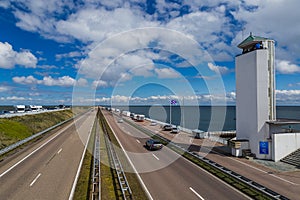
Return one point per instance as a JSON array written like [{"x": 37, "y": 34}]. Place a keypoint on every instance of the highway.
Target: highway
[
  {"x": 46, "y": 169},
  {"x": 165, "y": 174}
]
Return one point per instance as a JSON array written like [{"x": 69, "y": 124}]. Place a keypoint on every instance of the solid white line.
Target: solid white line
[
  {"x": 283, "y": 179},
  {"x": 9, "y": 169},
  {"x": 134, "y": 169},
  {"x": 36, "y": 178},
  {"x": 155, "y": 157},
  {"x": 255, "y": 168},
  {"x": 80, "y": 165},
  {"x": 138, "y": 141},
  {"x": 198, "y": 195},
  {"x": 265, "y": 172},
  {"x": 59, "y": 151}
]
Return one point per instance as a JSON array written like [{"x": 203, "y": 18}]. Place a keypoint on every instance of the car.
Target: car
[
  {"x": 175, "y": 130},
  {"x": 153, "y": 123},
  {"x": 120, "y": 120},
  {"x": 152, "y": 144},
  {"x": 167, "y": 127}
]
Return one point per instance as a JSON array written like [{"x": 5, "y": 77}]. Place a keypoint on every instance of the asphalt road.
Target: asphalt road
[
  {"x": 46, "y": 169},
  {"x": 167, "y": 175},
  {"x": 282, "y": 182}
]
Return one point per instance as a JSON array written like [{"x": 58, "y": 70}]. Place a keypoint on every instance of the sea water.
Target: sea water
[{"x": 212, "y": 118}]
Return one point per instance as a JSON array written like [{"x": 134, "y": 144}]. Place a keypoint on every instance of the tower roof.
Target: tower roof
[{"x": 251, "y": 40}]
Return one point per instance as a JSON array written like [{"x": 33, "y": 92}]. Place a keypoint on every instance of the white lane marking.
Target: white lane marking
[
  {"x": 134, "y": 169},
  {"x": 198, "y": 195},
  {"x": 287, "y": 181},
  {"x": 138, "y": 141},
  {"x": 283, "y": 179},
  {"x": 81, "y": 161},
  {"x": 155, "y": 156},
  {"x": 36, "y": 178},
  {"x": 59, "y": 151},
  {"x": 264, "y": 172},
  {"x": 9, "y": 169}
]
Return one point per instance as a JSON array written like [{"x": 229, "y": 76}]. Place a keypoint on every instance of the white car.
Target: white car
[
  {"x": 175, "y": 130},
  {"x": 120, "y": 120},
  {"x": 153, "y": 123}
]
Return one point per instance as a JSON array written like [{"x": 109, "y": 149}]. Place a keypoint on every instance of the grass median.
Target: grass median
[
  {"x": 110, "y": 186},
  {"x": 84, "y": 183}
]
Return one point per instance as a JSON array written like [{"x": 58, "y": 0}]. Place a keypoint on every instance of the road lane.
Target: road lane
[
  {"x": 172, "y": 176},
  {"x": 57, "y": 170}
]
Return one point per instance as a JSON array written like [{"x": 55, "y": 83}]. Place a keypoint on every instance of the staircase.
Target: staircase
[{"x": 293, "y": 158}]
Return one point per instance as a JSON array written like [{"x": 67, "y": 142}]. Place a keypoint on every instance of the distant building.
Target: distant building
[
  {"x": 19, "y": 108},
  {"x": 258, "y": 132}
]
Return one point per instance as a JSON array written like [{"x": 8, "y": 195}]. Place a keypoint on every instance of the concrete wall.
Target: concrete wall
[
  {"x": 252, "y": 105},
  {"x": 284, "y": 144}
]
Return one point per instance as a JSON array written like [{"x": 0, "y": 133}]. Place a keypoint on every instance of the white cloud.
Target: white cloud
[
  {"x": 285, "y": 67},
  {"x": 9, "y": 58},
  {"x": 15, "y": 98},
  {"x": 218, "y": 69},
  {"x": 277, "y": 20},
  {"x": 166, "y": 73},
  {"x": 288, "y": 97},
  {"x": 61, "y": 81},
  {"x": 64, "y": 81},
  {"x": 288, "y": 92},
  {"x": 71, "y": 54},
  {"x": 4, "y": 88},
  {"x": 4, "y": 3},
  {"x": 29, "y": 80},
  {"x": 100, "y": 84},
  {"x": 91, "y": 24}
]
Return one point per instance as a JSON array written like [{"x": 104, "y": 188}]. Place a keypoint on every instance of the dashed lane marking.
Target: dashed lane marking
[
  {"x": 36, "y": 178},
  {"x": 59, "y": 151},
  {"x": 198, "y": 195},
  {"x": 155, "y": 157}
]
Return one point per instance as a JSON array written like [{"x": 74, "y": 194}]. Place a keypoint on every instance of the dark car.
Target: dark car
[
  {"x": 167, "y": 127},
  {"x": 153, "y": 144}
]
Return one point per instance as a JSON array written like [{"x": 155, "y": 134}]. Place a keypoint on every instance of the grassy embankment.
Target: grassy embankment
[{"x": 18, "y": 128}]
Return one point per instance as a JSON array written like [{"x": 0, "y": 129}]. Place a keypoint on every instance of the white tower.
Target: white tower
[{"x": 255, "y": 94}]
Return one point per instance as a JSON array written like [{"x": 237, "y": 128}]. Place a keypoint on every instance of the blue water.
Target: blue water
[{"x": 205, "y": 118}]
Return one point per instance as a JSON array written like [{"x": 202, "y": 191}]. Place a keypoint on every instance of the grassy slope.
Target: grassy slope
[{"x": 17, "y": 128}]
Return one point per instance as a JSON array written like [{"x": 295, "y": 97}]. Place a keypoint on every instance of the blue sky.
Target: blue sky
[{"x": 139, "y": 52}]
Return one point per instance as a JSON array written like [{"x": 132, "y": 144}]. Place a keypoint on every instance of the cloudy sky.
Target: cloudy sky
[{"x": 139, "y": 51}]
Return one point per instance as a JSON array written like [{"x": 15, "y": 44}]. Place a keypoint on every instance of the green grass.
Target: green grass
[
  {"x": 18, "y": 128},
  {"x": 84, "y": 183},
  {"x": 110, "y": 186},
  {"x": 12, "y": 131}
]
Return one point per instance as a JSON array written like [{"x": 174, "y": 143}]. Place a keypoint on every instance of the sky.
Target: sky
[{"x": 140, "y": 51}]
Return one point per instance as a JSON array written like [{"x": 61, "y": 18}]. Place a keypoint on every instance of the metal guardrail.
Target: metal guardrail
[
  {"x": 96, "y": 194},
  {"x": 270, "y": 193},
  {"x": 21, "y": 142},
  {"x": 115, "y": 162}
]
